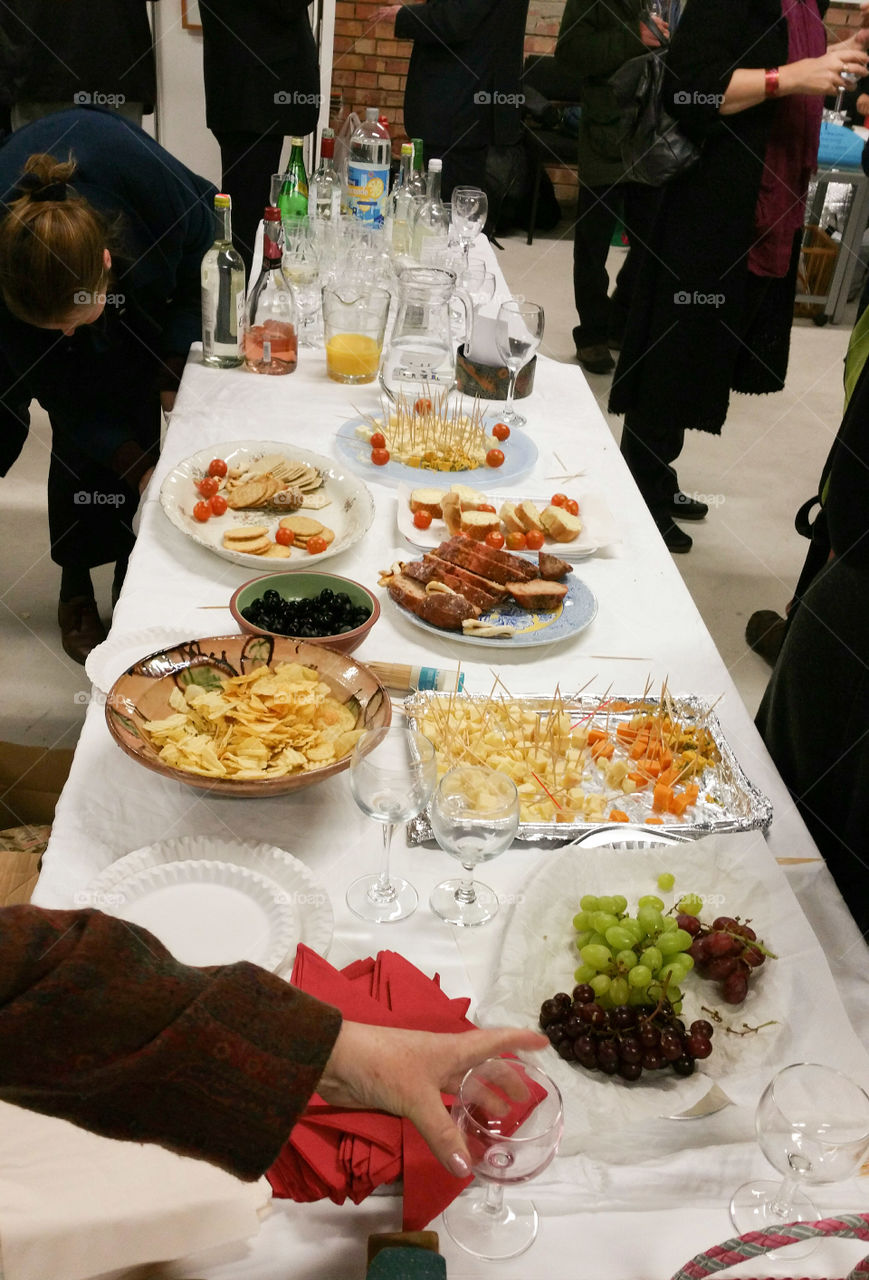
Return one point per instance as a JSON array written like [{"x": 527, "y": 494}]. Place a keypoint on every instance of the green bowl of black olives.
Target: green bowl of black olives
[{"x": 334, "y": 612}]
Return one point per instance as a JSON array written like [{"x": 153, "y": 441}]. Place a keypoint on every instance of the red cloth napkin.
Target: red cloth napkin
[{"x": 341, "y": 1153}]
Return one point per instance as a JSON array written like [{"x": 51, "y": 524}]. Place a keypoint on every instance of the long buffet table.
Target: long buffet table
[{"x": 661, "y": 1194}]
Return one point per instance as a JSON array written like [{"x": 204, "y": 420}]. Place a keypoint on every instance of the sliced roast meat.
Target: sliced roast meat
[
  {"x": 407, "y": 592},
  {"x": 551, "y": 567},
  {"x": 485, "y": 561},
  {"x": 421, "y": 571},
  {"x": 445, "y": 610},
  {"x": 489, "y": 592},
  {"x": 538, "y": 596}
]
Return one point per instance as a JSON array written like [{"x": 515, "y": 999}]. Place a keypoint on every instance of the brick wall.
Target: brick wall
[{"x": 370, "y": 69}]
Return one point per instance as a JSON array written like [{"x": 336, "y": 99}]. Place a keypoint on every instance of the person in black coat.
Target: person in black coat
[
  {"x": 703, "y": 320},
  {"x": 100, "y": 299},
  {"x": 814, "y": 717},
  {"x": 262, "y": 82},
  {"x": 463, "y": 91},
  {"x": 55, "y": 56}
]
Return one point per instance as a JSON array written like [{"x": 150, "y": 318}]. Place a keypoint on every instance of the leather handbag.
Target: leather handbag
[{"x": 654, "y": 148}]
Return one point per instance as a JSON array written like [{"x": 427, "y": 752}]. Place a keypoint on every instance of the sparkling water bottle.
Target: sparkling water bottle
[{"x": 368, "y": 164}]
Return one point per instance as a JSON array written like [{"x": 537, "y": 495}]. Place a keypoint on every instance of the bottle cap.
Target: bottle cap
[
  {"x": 407, "y": 148},
  {"x": 222, "y": 201},
  {"x": 327, "y": 133},
  {"x": 272, "y": 213},
  {"x": 297, "y": 142},
  {"x": 435, "y": 166},
  {"x": 371, "y": 113}
]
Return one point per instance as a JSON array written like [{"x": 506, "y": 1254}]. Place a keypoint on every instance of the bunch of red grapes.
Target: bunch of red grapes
[
  {"x": 727, "y": 952},
  {"x": 626, "y": 1040}
]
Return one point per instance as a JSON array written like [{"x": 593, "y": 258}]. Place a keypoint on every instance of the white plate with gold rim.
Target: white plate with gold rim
[{"x": 348, "y": 513}]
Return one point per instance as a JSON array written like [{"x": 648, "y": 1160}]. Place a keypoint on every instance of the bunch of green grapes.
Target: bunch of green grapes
[{"x": 631, "y": 959}]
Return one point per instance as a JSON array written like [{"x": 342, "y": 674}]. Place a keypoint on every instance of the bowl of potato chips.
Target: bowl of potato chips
[{"x": 245, "y": 715}]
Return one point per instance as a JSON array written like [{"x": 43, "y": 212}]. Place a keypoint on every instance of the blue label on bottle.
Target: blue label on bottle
[{"x": 367, "y": 186}]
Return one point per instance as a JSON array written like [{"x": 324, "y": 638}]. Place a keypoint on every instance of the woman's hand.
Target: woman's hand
[
  {"x": 650, "y": 37},
  {"x": 822, "y": 76},
  {"x": 404, "y": 1072}
]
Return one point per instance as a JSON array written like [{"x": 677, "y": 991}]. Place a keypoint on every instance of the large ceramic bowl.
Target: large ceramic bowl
[
  {"x": 298, "y": 586},
  {"x": 142, "y": 693}
]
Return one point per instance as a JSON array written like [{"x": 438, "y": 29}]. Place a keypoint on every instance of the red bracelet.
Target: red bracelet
[{"x": 770, "y": 82}]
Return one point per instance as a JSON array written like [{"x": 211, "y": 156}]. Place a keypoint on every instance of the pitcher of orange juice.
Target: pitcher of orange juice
[
  {"x": 422, "y": 349},
  {"x": 354, "y": 322}
]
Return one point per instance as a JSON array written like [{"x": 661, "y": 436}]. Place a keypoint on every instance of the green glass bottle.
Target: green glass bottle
[{"x": 293, "y": 198}]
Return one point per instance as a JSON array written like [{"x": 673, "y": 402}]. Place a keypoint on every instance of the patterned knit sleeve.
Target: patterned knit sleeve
[{"x": 100, "y": 1025}]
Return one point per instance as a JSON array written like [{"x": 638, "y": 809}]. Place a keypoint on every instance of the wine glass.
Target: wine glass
[
  {"x": 478, "y": 283},
  {"x": 812, "y": 1124},
  {"x": 393, "y": 771},
  {"x": 470, "y": 206},
  {"x": 301, "y": 266},
  {"x": 518, "y": 331},
  {"x": 508, "y": 1143},
  {"x": 474, "y": 815}
]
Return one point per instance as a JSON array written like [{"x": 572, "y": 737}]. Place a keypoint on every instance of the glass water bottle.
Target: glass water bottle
[{"x": 222, "y": 277}]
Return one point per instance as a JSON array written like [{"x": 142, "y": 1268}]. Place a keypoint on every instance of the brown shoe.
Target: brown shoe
[
  {"x": 765, "y": 633},
  {"x": 596, "y": 359},
  {"x": 80, "y": 627}
]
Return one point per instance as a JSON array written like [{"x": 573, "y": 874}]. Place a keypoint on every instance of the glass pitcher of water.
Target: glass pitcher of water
[{"x": 422, "y": 350}]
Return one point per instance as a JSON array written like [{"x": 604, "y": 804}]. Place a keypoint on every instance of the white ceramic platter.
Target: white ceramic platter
[{"x": 348, "y": 514}]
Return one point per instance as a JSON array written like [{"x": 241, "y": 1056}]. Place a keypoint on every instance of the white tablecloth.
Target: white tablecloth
[{"x": 646, "y": 627}]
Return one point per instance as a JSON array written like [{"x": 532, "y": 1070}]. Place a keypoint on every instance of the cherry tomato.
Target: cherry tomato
[
  {"x": 217, "y": 467},
  {"x": 534, "y": 539},
  {"x": 422, "y": 406},
  {"x": 516, "y": 542},
  {"x": 218, "y": 504},
  {"x": 422, "y": 519},
  {"x": 495, "y": 539},
  {"x": 494, "y": 458},
  {"x": 285, "y": 537},
  {"x": 558, "y": 499},
  {"x": 202, "y": 512},
  {"x": 316, "y": 545},
  {"x": 208, "y": 486},
  {"x": 572, "y": 506},
  {"x": 380, "y": 457},
  {"x": 485, "y": 506},
  {"x": 378, "y": 440},
  {"x": 501, "y": 431}
]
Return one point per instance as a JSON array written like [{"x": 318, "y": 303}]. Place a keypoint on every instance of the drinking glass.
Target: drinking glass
[
  {"x": 518, "y": 331},
  {"x": 470, "y": 206},
  {"x": 812, "y": 1124},
  {"x": 393, "y": 771},
  {"x": 507, "y": 1144},
  {"x": 474, "y": 815},
  {"x": 478, "y": 283},
  {"x": 301, "y": 266}
]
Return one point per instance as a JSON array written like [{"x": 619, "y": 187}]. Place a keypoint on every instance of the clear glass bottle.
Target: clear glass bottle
[
  {"x": 222, "y": 277},
  {"x": 431, "y": 229},
  {"x": 401, "y": 208},
  {"x": 293, "y": 198},
  {"x": 324, "y": 192},
  {"x": 270, "y": 331},
  {"x": 417, "y": 184},
  {"x": 368, "y": 163}
]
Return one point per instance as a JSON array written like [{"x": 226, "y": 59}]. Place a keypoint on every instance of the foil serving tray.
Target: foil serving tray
[{"x": 728, "y": 800}]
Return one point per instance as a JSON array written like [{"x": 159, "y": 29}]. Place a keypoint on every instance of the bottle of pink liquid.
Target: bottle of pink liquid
[{"x": 270, "y": 330}]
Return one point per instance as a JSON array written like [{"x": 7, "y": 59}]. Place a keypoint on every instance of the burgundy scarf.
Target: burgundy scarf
[{"x": 791, "y": 153}]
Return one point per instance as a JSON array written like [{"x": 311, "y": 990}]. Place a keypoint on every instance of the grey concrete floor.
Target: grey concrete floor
[{"x": 746, "y": 555}]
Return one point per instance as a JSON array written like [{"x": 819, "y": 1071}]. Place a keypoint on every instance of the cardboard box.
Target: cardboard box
[{"x": 31, "y": 779}]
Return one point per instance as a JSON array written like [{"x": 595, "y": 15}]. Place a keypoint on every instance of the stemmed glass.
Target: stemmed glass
[
  {"x": 812, "y": 1124},
  {"x": 301, "y": 266},
  {"x": 507, "y": 1144},
  {"x": 393, "y": 771},
  {"x": 518, "y": 331},
  {"x": 474, "y": 815},
  {"x": 470, "y": 206}
]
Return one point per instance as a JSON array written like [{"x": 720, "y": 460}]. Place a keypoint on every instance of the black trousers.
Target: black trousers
[
  {"x": 247, "y": 162},
  {"x": 463, "y": 167},
  {"x": 598, "y": 212}
]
